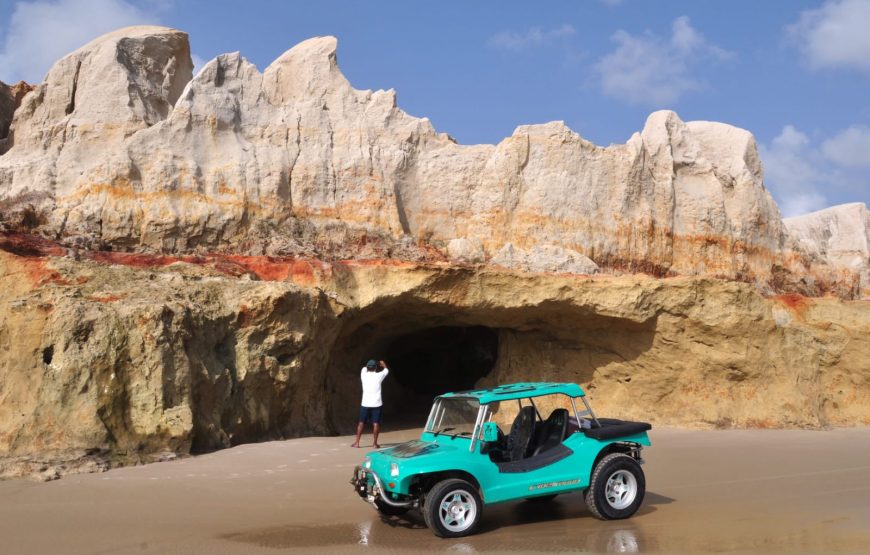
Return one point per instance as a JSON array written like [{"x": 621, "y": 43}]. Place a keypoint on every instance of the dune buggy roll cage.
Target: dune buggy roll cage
[{"x": 436, "y": 415}]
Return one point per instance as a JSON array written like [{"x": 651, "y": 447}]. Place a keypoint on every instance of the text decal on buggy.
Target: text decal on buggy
[{"x": 553, "y": 484}]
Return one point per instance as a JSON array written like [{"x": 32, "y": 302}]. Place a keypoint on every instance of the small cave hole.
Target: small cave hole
[
  {"x": 48, "y": 354},
  {"x": 30, "y": 217},
  {"x": 284, "y": 358}
]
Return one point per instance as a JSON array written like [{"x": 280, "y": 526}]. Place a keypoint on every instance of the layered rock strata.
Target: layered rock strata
[
  {"x": 119, "y": 148},
  {"x": 130, "y": 356}
]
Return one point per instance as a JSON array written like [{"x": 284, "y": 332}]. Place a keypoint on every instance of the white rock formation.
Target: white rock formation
[
  {"x": 466, "y": 250},
  {"x": 544, "y": 258},
  {"x": 839, "y": 237},
  {"x": 70, "y": 133},
  {"x": 110, "y": 152}
]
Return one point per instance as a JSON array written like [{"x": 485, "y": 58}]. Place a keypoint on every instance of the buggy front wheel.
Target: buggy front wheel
[{"x": 452, "y": 508}]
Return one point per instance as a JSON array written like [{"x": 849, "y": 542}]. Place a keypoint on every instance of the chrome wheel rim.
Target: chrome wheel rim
[
  {"x": 457, "y": 510},
  {"x": 621, "y": 489}
]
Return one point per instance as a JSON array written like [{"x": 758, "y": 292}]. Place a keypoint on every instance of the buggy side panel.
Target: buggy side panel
[
  {"x": 565, "y": 474},
  {"x": 547, "y": 458}
]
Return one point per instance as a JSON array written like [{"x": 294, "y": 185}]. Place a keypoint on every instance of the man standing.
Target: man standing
[{"x": 372, "y": 376}]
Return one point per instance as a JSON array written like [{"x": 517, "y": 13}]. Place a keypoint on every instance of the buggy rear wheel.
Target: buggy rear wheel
[{"x": 617, "y": 487}]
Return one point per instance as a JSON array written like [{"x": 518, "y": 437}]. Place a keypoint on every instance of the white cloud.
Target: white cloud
[
  {"x": 511, "y": 40},
  {"x": 41, "y": 32},
  {"x": 805, "y": 176},
  {"x": 611, "y": 2},
  {"x": 835, "y": 35},
  {"x": 850, "y": 147},
  {"x": 791, "y": 173},
  {"x": 648, "y": 69},
  {"x": 796, "y": 204}
]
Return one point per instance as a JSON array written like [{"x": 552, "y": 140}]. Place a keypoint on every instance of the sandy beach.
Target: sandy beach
[{"x": 725, "y": 491}]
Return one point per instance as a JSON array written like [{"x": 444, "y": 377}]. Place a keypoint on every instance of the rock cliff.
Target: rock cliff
[
  {"x": 838, "y": 240},
  {"x": 8, "y": 105},
  {"x": 189, "y": 262},
  {"x": 10, "y": 99},
  {"x": 119, "y": 148},
  {"x": 113, "y": 358}
]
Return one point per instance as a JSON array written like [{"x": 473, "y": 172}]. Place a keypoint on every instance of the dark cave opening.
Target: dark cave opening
[
  {"x": 433, "y": 348},
  {"x": 48, "y": 354},
  {"x": 446, "y": 358},
  {"x": 424, "y": 360}
]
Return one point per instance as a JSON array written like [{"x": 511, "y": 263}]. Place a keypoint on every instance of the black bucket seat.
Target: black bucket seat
[
  {"x": 552, "y": 432},
  {"x": 521, "y": 434}
]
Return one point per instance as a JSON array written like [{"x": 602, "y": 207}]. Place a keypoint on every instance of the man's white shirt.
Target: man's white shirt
[{"x": 371, "y": 386}]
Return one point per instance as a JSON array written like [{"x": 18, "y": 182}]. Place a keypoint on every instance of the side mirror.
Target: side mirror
[{"x": 490, "y": 432}]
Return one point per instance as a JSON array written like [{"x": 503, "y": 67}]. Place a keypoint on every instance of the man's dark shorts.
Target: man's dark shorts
[{"x": 370, "y": 414}]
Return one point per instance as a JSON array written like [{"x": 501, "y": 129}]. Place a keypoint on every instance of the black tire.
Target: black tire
[
  {"x": 455, "y": 493},
  {"x": 389, "y": 510},
  {"x": 542, "y": 498},
  {"x": 617, "y": 487}
]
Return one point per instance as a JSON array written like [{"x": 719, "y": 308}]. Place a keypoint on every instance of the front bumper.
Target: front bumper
[{"x": 369, "y": 486}]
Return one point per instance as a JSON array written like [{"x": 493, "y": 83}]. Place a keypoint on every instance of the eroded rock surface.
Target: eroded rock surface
[
  {"x": 112, "y": 358},
  {"x": 544, "y": 258},
  {"x": 10, "y": 99},
  {"x": 7, "y": 109}
]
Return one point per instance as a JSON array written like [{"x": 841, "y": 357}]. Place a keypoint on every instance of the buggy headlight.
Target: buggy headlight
[
  {"x": 394, "y": 469},
  {"x": 368, "y": 463}
]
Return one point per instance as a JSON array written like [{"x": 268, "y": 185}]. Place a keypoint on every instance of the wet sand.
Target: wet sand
[{"x": 723, "y": 491}]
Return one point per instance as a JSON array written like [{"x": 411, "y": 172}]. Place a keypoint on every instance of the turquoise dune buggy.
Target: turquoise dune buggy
[{"x": 464, "y": 460}]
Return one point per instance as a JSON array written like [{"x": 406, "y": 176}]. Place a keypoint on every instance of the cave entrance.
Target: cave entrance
[
  {"x": 426, "y": 356},
  {"x": 435, "y": 347},
  {"x": 432, "y": 361}
]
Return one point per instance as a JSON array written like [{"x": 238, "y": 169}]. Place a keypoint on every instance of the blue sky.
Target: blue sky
[{"x": 796, "y": 73}]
